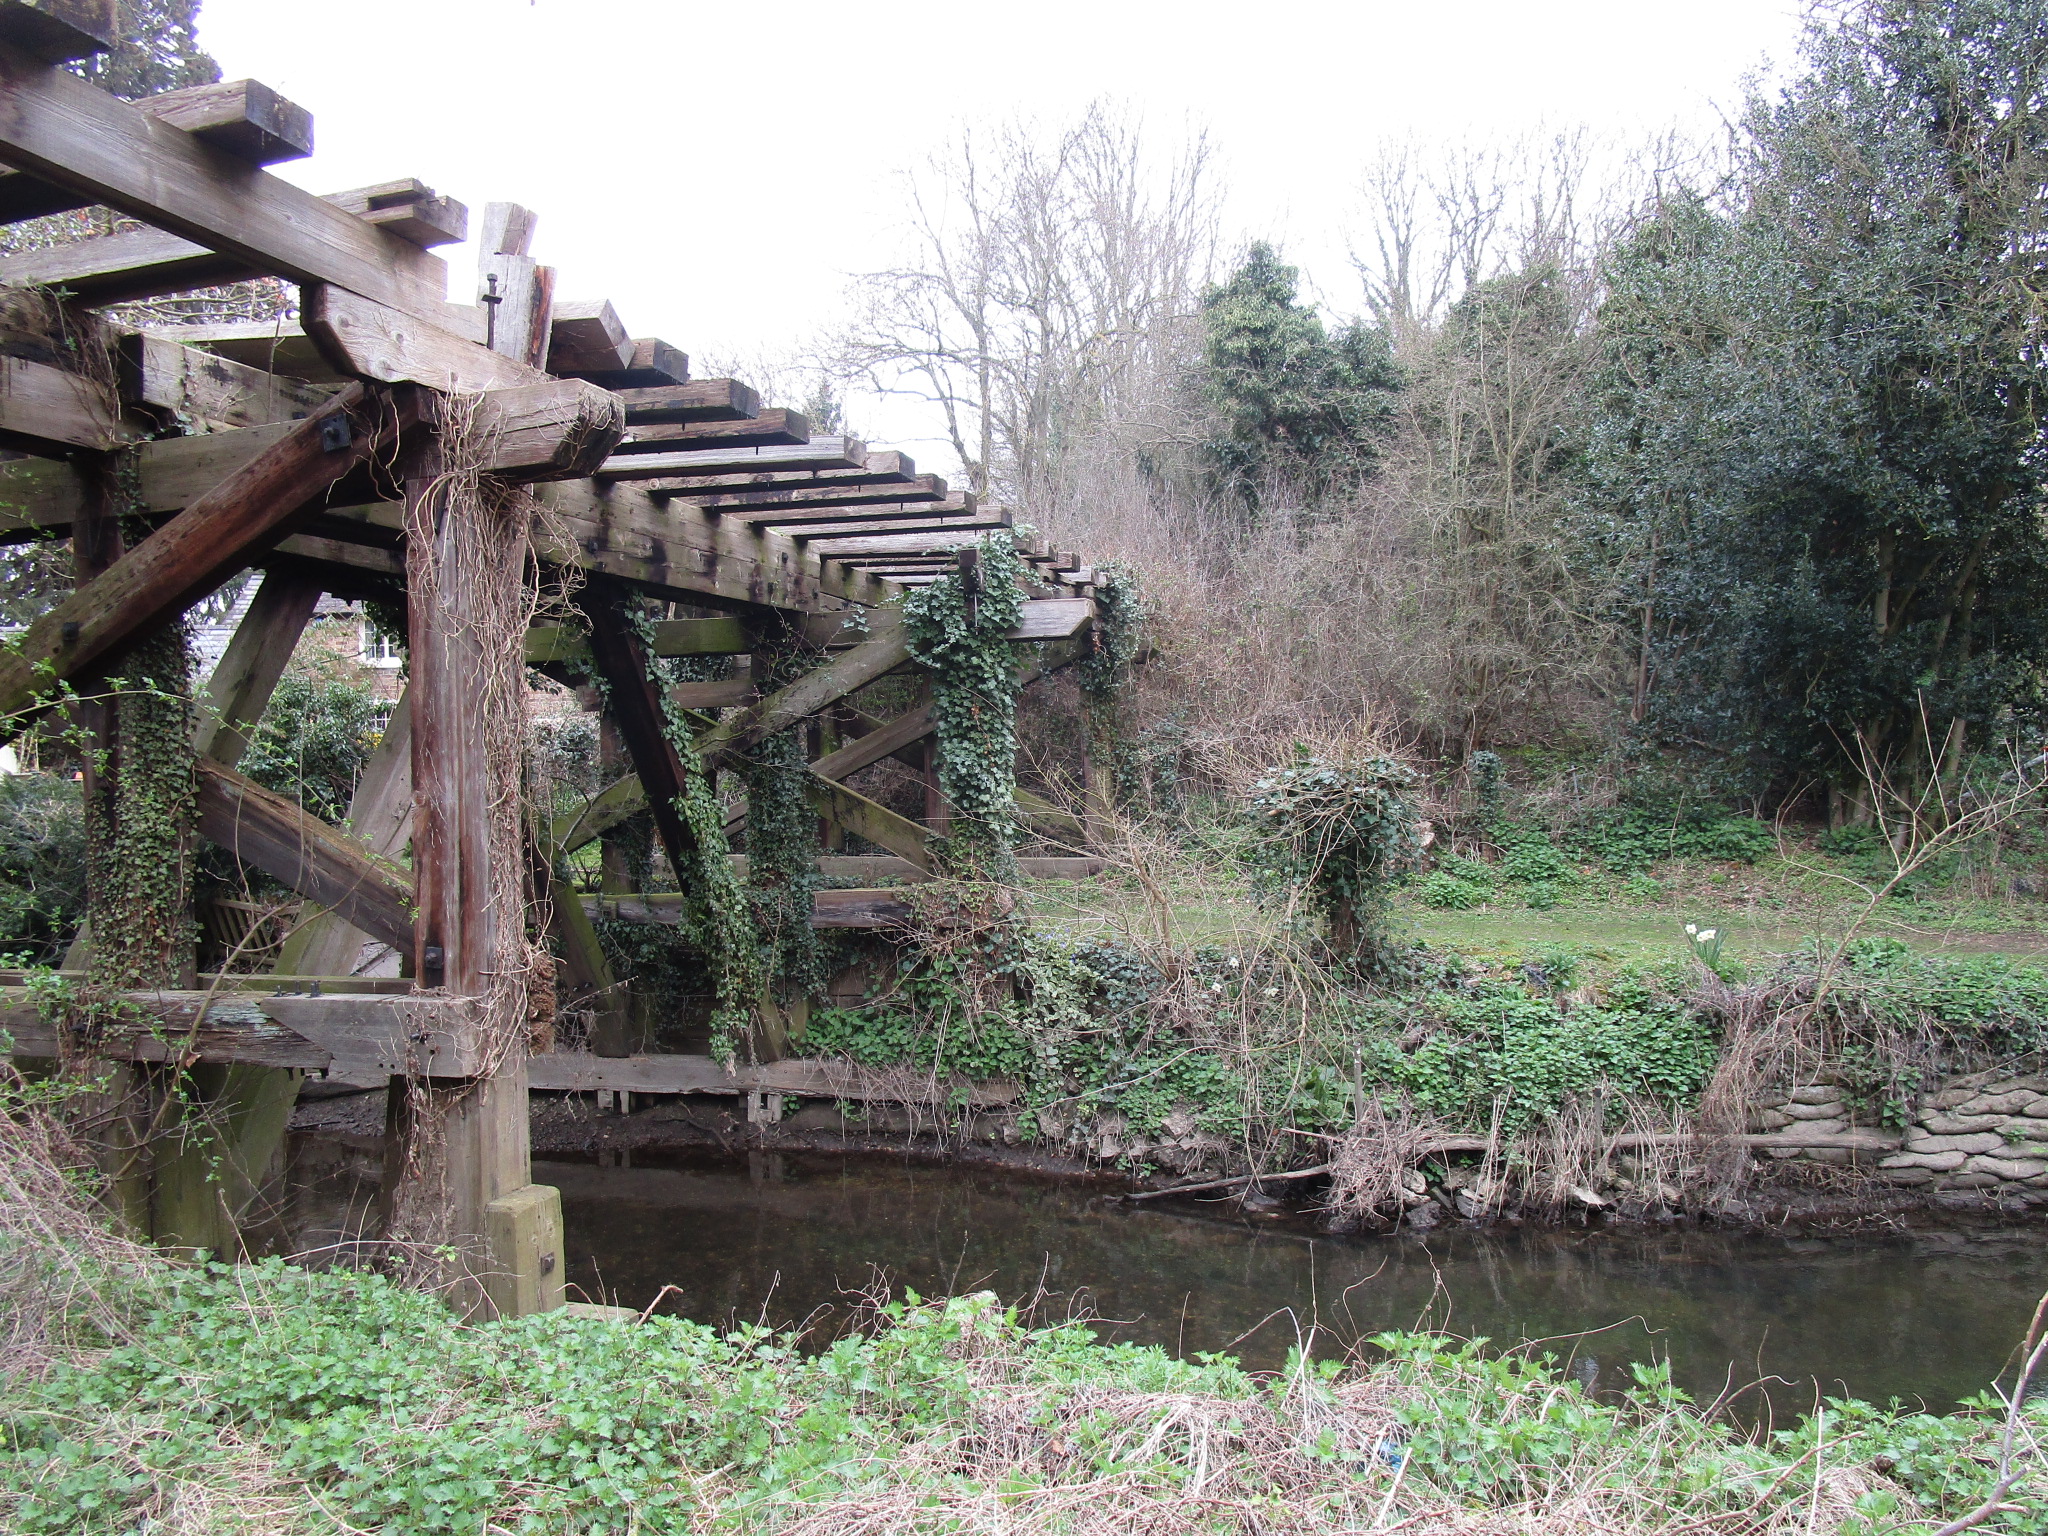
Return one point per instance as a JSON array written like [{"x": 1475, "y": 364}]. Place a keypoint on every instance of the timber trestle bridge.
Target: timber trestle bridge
[{"x": 380, "y": 443}]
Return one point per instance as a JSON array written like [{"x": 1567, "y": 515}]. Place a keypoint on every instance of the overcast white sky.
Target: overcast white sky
[{"x": 718, "y": 171}]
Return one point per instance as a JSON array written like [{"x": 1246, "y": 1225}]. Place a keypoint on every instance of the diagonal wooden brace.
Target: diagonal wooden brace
[
  {"x": 199, "y": 548},
  {"x": 322, "y": 863}
]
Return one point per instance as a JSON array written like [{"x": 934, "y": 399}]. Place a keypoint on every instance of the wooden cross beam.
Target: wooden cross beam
[
  {"x": 818, "y": 453},
  {"x": 351, "y": 1034},
  {"x": 764, "y": 429},
  {"x": 881, "y": 467},
  {"x": 827, "y": 500},
  {"x": 696, "y": 401},
  {"x": 887, "y": 649}
]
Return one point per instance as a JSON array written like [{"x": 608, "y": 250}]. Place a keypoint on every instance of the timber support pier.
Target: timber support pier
[{"x": 337, "y": 425}]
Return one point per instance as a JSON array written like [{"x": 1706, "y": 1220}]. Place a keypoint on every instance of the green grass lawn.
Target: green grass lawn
[{"x": 1762, "y": 910}]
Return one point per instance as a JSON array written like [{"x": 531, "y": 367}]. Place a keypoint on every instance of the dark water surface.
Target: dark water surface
[{"x": 1928, "y": 1315}]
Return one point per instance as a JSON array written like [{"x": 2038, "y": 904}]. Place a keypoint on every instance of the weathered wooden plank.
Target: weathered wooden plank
[
  {"x": 654, "y": 365},
  {"x": 337, "y": 555},
  {"x": 798, "y": 1077},
  {"x": 586, "y": 335},
  {"x": 200, "y": 547},
  {"x": 291, "y": 845},
  {"x": 255, "y": 659},
  {"x": 900, "y": 496},
  {"x": 516, "y": 293},
  {"x": 765, "y": 429},
  {"x": 817, "y": 537},
  {"x": 882, "y": 467},
  {"x": 886, "y": 741},
  {"x": 275, "y": 346},
  {"x": 618, "y": 531},
  {"x": 188, "y": 384},
  {"x": 64, "y": 130},
  {"x": 615, "y": 803},
  {"x": 351, "y": 1033},
  {"x": 719, "y": 695},
  {"x": 885, "y": 545},
  {"x": 243, "y": 118},
  {"x": 409, "y": 209},
  {"x": 635, "y": 707},
  {"x": 379, "y": 817},
  {"x": 818, "y": 453},
  {"x": 695, "y": 401}
]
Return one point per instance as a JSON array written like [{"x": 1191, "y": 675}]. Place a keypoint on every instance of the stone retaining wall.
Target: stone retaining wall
[{"x": 1985, "y": 1132}]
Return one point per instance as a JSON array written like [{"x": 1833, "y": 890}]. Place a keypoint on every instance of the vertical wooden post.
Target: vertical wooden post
[
  {"x": 462, "y": 1175},
  {"x": 206, "y": 1186}
]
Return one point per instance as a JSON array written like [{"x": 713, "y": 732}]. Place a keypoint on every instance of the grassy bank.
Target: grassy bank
[{"x": 278, "y": 1400}]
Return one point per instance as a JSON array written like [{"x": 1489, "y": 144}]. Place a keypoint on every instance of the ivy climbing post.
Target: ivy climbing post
[
  {"x": 958, "y": 629},
  {"x": 782, "y": 849},
  {"x": 1111, "y": 771}
]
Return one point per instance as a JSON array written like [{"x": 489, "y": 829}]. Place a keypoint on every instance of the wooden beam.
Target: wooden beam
[
  {"x": 883, "y": 467},
  {"x": 64, "y": 130},
  {"x": 765, "y": 429},
  {"x": 350, "y": 1033},
  {"x": 654, "y": 365},
  {"x": 380, "y": 818},
  {"x": 586, "y": 335},
  {"x": 694, "y": 401},
  {"x": 882, "y": 546},
  {"x": 243, "y": 118},
  {"x": 255, "y": 659},
  {"x": 635, "y": 707},
  {"x": 802, "y": 1078},
  {"x": 869, "y": 525},
  {"x": 685, "y": 554},
  {"x": 275, "y": 346},
  {"x": 188, "y": 385},
  {"x": 516, "y": 293},
  {"x": 829, "y": 500},
  {"x": 291, "y": 845},
  {"x": 818, "y": 453},
  {"x": 201, "y": 547},
  {"x": 409, "y": 209},
  {"x": 559, "y": 429}
]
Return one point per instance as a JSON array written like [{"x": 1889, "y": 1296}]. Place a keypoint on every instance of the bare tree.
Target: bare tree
[{"x": 1045, "y": 274}]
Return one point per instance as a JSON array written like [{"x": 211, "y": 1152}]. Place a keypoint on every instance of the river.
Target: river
[{"x": 1929, "y": 1315}]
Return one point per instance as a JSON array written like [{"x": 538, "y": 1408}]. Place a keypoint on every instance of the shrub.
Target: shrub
[
  {"x": 313, "y": 741},
  {"x": 42, "y": 864},
  {"x": 1447, "y": 891}
]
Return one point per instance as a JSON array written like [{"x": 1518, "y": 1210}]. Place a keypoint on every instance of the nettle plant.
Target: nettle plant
[{"x": 1340, "y": 836}]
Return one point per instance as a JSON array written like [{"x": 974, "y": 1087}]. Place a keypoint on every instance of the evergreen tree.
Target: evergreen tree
[
  {"x": 156, "y": 49},
  {"x": 1297, "y": 405},
  {"x": 1820, "y": 428}
]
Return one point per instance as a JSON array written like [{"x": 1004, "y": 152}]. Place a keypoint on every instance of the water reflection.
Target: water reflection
[{"x": 1929, "y": 1315}]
